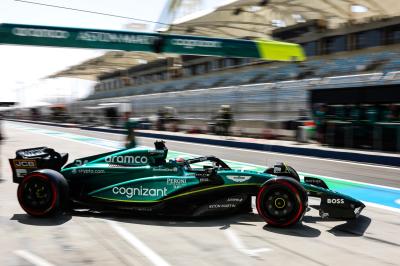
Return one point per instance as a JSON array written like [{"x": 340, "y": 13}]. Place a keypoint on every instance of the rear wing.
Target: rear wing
[{"x": 29, "y": 160}]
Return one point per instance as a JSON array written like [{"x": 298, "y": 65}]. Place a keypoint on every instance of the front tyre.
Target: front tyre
[
  {"x": 282, "y": 201},
  {"x": 43, "y": 193}
]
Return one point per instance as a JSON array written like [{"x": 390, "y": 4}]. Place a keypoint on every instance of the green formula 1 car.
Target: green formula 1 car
[{"x": 142, "y": 181}]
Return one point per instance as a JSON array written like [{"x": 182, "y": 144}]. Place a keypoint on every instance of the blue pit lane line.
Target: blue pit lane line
[{"x": 380, "y": 196}]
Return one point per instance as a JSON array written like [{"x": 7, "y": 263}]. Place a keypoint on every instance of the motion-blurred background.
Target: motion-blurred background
[{"x": 346, "y": 94}]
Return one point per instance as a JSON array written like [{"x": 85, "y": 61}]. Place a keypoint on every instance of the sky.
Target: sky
[{"x": 23, "y": 68}]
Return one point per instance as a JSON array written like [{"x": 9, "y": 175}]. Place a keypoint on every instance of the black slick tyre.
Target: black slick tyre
[
  {"x": 43, "y": 193},
  {"x": 282, "y": 201}
]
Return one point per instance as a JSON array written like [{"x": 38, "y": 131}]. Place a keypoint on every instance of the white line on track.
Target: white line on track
[
  {"x": 349, "y": 181},
  {"x": 73, "y": 140},
  {"x": 379, "y": 206},
  {"x": 139, "y": 245},
  {"x": 32, "y": 258},
  {"x": 238, "y": 244}
]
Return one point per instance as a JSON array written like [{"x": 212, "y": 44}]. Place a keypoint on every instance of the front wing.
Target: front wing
[{"x": 333, "y": 204}]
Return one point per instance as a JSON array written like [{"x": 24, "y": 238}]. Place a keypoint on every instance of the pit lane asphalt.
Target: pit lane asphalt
[{"x": 89, "y": 238}]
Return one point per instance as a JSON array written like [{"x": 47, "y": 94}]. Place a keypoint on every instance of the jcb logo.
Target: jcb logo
[
  {"x": 335, "y": 201},
  {"x": 25, "y": 163}
]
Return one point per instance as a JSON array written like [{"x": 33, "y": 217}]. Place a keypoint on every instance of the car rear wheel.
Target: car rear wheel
[
  {"x": 282, "y": 201},
  {"x": 43, "y": 193}
]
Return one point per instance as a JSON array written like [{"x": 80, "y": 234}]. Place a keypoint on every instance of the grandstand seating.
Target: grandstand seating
[
  {"x": 352, "y": 79},
  {"x": 333, "y": 71}
]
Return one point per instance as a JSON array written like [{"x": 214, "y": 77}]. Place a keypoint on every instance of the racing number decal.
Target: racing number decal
[{"x": 80, "y": 162}]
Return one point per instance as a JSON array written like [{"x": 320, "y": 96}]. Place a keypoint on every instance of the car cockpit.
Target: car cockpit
[{"x": 203, "y": 163}]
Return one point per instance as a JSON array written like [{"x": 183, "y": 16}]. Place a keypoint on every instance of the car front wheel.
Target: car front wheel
[{"x": 282, "y": 201}]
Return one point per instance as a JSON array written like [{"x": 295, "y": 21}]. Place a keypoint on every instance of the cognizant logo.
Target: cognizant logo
[
  {"x": 127, "y": 159},
  {"x": 129, "y": 192}
]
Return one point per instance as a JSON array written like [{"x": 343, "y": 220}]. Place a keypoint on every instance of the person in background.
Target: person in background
[
  {"x": 161, "y": 118},
  {"x": 212, "y": 124},
  {"x": 130, "y": 125},
  {"x": 226, "y": 119},
  {"x": 112, "y": 114}
]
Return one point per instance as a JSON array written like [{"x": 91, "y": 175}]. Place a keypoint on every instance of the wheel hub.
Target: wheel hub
[
  {"x": 37, "y": 194},
  {"x": 279, "y": 204}
]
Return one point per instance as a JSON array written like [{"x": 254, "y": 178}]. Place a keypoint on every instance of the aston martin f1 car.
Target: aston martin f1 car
[{"x": 142, "y": 181}]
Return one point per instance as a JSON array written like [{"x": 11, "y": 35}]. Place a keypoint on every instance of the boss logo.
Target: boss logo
[
  {"x": 335, "y": 201},
  {"x": 25, "y": 164}
]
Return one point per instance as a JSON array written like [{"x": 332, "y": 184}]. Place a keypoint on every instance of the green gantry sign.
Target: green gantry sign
[{"x": 148, "y": 42}]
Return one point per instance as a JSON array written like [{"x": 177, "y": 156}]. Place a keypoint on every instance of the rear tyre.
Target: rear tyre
[
  {"x": 43, "y": 193},
  {"x": 282, "y": 201}
]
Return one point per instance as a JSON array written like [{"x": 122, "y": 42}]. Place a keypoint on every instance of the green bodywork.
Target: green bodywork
[{"x": 135, "y": 175}]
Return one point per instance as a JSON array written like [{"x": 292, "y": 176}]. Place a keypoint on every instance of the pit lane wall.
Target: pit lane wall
[{"x": 319, "y": 152}]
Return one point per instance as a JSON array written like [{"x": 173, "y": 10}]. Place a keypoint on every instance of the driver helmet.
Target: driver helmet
[{"x": 180, "y": 160}]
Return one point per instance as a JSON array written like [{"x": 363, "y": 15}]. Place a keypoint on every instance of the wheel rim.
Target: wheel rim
[
  {"x": 279, "y": 204},
  {"x": 37, "y": 195},
  {"x": 288, "y": 209}
]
